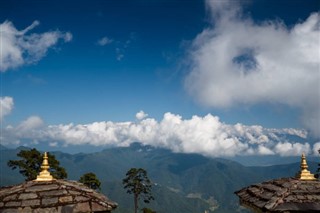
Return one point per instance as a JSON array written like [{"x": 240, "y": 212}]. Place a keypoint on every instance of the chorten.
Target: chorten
[
  {"x": 304, "y": 173},
  {"x": 45, "y": 174}
]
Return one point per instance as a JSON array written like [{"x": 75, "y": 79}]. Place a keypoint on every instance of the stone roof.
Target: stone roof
[
  {"x": 282, "y": 195},
  {"x": 55, "y": 196}
]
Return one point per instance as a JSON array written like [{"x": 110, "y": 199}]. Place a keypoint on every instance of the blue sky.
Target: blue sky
[
  {"x": 108, "y": 60},
  {"x": 86, "y": 80}
]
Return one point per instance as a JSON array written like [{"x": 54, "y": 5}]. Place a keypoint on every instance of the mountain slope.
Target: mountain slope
[{"x": 183, "y": 182}]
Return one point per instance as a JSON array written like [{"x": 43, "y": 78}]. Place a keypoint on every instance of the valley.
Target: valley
[{"x": 182, "y": 182}]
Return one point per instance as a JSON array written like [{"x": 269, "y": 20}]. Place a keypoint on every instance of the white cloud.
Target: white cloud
[
  {"x": 141, "y": 115},
  {"x": 6, "y": 106},
  {"x": 67, "y": 37},
  {"x": 262, "y": 150},
  {"x": 237, "y": 61},
  {"x": 104, "y": 41},
  {"x": 30, "y": 124},
  {"x": 203, "y": 135},
  {"x": 21, "y": 47},
  {"x": 316, "y": 148},
  {"x": 287, "y": 149}
]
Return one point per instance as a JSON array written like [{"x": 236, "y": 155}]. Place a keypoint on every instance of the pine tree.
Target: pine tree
[
  {"x": 90, "y": 179},
  {"x": 138, "y": 184}
]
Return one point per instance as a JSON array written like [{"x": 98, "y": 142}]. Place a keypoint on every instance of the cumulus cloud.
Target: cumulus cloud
[
  {"x": 287, "y": 149},
  {"x": 316, "y": 148},
  {"x": 29, "y": 129},
  {"x": 141, "y": 115},
  {"x": 30, "y": 124},
  {"x": 237, "y": 61},
  {"x": 21, "y": 47},
  {"x": 203, "y": 135},
  {"x": 6, "y": 106},
  {"x": 104, "y": 41}
]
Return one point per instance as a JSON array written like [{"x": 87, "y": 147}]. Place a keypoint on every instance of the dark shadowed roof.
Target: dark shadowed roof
[
  {"x": 56, "y": 196},
  {"x": 281, "y": 195},
  {"x": 299, "y": 194}
]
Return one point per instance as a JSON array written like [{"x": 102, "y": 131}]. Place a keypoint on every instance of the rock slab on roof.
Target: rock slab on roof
[
  {"x": 56, "y": 196},
  {"x": 282, "y": 195}
]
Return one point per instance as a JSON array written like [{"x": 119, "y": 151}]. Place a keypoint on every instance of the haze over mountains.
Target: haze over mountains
[{"x": 182, "y": 182}]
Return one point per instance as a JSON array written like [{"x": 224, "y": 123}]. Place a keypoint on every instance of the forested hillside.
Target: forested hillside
[{"x": 182, "y": 182}]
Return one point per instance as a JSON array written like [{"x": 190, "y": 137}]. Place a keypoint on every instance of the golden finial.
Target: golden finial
[
  {"x": 45, "y": 174},
  {"x": 304, "y": 173}
]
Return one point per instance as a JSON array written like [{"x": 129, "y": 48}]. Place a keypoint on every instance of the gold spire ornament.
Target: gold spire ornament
[
  {"x": 45, "y": 174},
  {"x": 304, "y": 173}
]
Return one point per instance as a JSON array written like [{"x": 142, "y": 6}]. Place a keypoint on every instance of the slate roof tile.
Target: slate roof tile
[
  {"x": 282, "y": 195},
  {"x": 54, "y": 196}
]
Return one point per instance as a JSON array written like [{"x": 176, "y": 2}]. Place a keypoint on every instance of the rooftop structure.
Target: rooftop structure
[
  {"x": 298, "y": 194},
  {"x": 47, "y": 195}
]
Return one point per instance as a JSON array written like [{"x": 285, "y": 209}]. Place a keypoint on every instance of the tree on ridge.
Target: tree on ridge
[
  {"x": 137, "y": 183},
  {"x": 91, "y": 180},
  {"x": 30, "y": 165}
]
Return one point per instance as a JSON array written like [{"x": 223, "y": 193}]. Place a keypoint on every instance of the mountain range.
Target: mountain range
[{"x": 188, "y": 183}]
